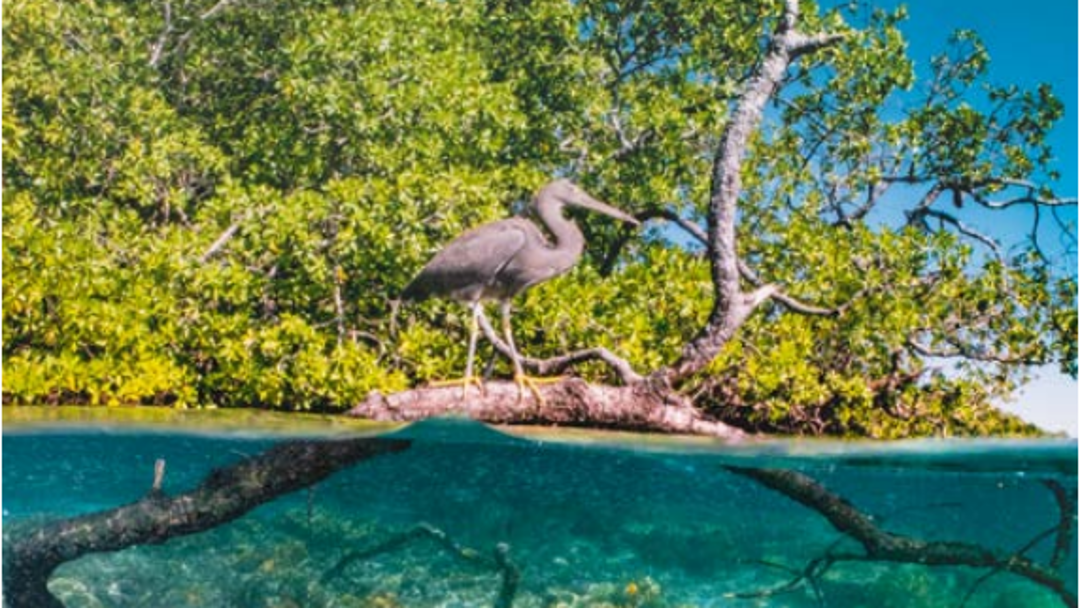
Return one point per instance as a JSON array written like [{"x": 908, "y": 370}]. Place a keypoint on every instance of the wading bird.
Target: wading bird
[{"x": 499, "y": 260}]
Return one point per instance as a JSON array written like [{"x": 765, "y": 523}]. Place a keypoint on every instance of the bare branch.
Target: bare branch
[
  {"x": 670, "y": 215},
  {"x": 214, "y": 10},
  {"x": 566, "y": 402},
  {"x": 918, "y": 217},
  {"x": 880, "y": 545},
  {"x": 158, "y": 48},
  {"x": 1031, "y": 196},
  {"x": 221, "y": 241},
  {"x": 556, "y": 365},
  {"x": 791, "y": 303},
  {"x": 960, "y": 350}
]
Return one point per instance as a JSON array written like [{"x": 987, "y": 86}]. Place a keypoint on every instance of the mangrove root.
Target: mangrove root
[
  {"x": 499, "y": 560},
  {"x": 224, "y": 495},
  {"x": 880, "y": 545}
]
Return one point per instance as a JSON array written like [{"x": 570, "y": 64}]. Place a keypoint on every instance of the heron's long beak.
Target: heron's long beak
[{"x": 587, "y": 202}]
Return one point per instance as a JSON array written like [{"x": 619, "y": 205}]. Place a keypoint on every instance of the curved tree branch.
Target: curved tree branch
[
  {"x": 730, "y": 306},
  {"x": 775, "y": 293},
  {"x": 223, "y": 496},
  {"x": 1066, "y": 521},
  {"x": 880, "y": 545},
  {"x": 791, "y": 303},
  {"x": 556, "y": 365}
]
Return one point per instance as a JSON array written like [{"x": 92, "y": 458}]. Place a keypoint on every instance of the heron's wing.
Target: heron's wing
[{"x": 470, "y": 262}]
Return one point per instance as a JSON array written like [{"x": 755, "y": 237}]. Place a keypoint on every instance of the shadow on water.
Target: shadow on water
[{"x": 589, "y": 520}]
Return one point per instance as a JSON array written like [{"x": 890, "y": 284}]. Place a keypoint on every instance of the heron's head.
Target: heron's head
[{"x": 568, "y": 193}]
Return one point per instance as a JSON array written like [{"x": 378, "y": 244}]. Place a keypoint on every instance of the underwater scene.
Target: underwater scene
[{"x": 456, "y": 514}]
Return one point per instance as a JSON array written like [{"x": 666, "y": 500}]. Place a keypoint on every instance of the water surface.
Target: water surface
[{"x": 630, "y": 522}]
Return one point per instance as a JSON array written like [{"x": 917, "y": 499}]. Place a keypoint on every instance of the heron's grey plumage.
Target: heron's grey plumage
[
  {"x": 499, "y": 260},
  {"x": 468, "y": 269}
]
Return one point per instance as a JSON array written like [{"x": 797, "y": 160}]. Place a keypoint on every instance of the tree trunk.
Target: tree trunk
[{"x": 731, "y": 305}]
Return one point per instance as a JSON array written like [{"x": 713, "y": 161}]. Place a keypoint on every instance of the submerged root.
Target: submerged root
[
  {"x": 223, "y": 496},
  {"x": 882, "y": 546},
  {"x": 499, "y": 560}
]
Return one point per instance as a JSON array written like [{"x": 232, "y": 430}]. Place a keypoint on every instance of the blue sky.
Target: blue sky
[{"x": 1029, "y": 44}]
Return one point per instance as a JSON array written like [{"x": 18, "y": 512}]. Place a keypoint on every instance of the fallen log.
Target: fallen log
[{"x": 567, "y": 402}]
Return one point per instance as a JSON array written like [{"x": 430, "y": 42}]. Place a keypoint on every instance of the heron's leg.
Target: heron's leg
[
  {"x": 520, "y": 378},
  {"x": 474, "y": 330}
]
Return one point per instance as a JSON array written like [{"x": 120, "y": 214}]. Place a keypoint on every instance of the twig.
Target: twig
[
  {"x": 214, "y": 10},
  {"x": 159, "y": 46},
  {"x": 499, "y": 560},
  {"x": 159, "y": 476},
  {"x": 220, "y": 242}
]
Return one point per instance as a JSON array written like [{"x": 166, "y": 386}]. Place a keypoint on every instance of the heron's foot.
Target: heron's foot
[
  {"x": 533, "y": 384},
  {"x": 464, "y": 383}
]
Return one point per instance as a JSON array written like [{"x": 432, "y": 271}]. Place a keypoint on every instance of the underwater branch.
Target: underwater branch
[
  {"x": 881, "y": 545},
  {"x": 226, "y": 494}
]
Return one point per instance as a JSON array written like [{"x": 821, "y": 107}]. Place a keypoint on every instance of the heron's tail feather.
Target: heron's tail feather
[{"x": 416, "y": 290}]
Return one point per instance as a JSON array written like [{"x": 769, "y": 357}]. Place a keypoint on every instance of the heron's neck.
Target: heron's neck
[{"x": 568, "y": 240}]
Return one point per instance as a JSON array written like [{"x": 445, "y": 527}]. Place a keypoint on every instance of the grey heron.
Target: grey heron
[{"x": 499, "y": 260}]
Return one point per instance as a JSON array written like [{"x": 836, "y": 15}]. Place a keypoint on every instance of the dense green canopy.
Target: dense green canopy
[{"x": 217, "y": 204}]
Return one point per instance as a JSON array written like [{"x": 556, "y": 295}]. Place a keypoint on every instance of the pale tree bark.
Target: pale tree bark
[
  {"x": 569, "y": 402},
  {"x": 731, "y": 305}
]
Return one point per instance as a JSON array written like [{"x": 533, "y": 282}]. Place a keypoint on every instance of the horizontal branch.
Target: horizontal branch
[
  {"x": 569, "y": 402},
  {"x": 1032, "y": 195},
  {"x": 963, "y": 351},
  {"x": 557, "y": 365},
  {"x": 801, "y": 45}
]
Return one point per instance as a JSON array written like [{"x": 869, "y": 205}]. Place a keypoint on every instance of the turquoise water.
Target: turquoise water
[{"x": 585, "y": 524}]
